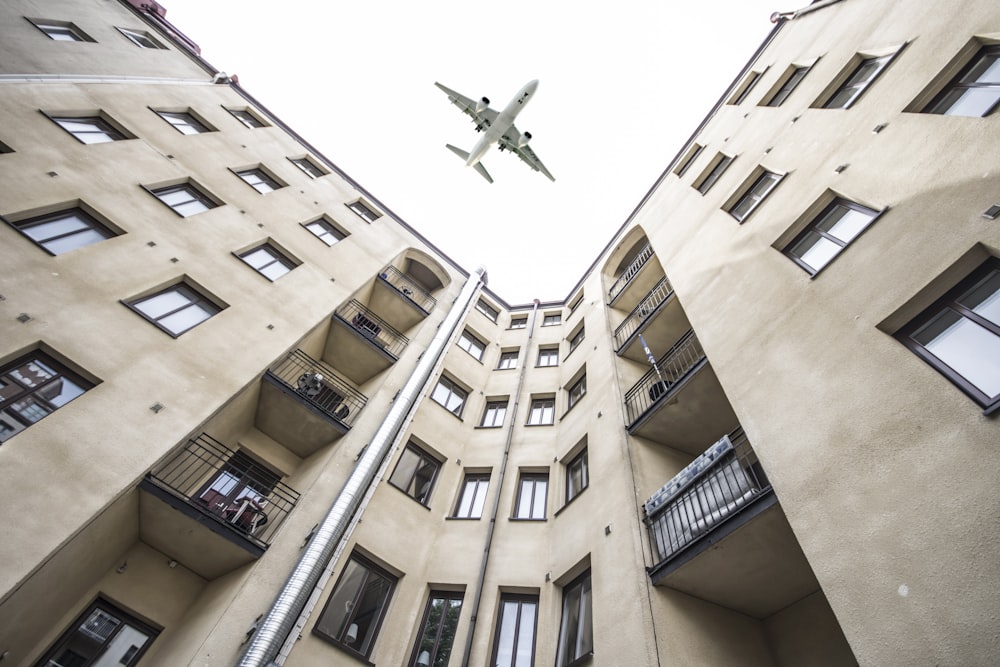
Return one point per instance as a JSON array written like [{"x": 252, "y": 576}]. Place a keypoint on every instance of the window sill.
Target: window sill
[
  {"x": 570, "y": 501},
  {"x": 346, "y": 650},
  {"x": 532, "y": 425},
  {"x": 408, "y": 495},
  {"x": 526, "y": 520},
  {"x": 458, "y": 417},
  {"x": 487, "y": 428},
  {"x": 463, "y": 518}
]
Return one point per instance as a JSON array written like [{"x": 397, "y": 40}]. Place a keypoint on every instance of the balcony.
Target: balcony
[
  {"x": 361, "y": 344},
  {"x": 399, "y": 299},
  {"x": 212, "y": 509},
  {"x": 658, "y": 317},
  {"x": 717, "y": 532},
  {"x": 683, "y": 404},
  {"x": 629, "y": 288},
  {"x": 305, "y": 405}
]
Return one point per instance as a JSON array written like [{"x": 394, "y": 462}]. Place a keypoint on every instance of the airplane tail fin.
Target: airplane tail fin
[{"x": 465, "y": 156}]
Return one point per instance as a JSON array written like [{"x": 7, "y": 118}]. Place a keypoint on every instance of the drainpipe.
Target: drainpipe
[
  {"x": 477, "y": 599},
  {"x": 280, "y": 619}
]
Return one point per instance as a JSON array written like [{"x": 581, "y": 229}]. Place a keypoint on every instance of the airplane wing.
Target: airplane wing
[
  {"x": 510, "y": 141},
  {"x": 483, "y": 118}
]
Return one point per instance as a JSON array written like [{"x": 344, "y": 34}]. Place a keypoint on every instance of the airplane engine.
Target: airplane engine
[
  {"x": 482, "y": 104},
  {"x": 523, "y": 141}
]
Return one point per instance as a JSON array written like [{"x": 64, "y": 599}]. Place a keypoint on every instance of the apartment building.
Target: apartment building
[{"x": 250, "y": 416}]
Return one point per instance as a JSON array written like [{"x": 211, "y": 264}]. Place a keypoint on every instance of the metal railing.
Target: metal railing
[
  {"x": 372, "y": 327},
  {"x": 714, "y": 487},
  {"x": 629, "y": 273},
  {"x": 317, "y": 384},
  {"x": 408, "y": 288},
  {"x": 685, "y": 357},
  {"x": 227, "y": 486},
  {"x": 660, "y": 293}
]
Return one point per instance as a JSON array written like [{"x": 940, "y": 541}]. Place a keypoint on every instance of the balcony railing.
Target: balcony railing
[
  {"x": 711, "y": 489},
  {"x": 317, "y": 384},
  {"x": 660, "y": 293},
  {"x": 630, "y": 272},
  {"x": 683, "y": 359},
  {"x": 405, "y": 285},
  {"x": 228, "y": 487},
  {"x": 373, "y": 328}
]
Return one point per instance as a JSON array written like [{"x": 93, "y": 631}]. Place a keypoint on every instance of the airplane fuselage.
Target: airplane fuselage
[{"x": 503, "y": 122}]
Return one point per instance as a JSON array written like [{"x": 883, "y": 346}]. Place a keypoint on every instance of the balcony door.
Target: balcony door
[
  {"x": 103, "y": 636},
  {"x": 239, "y": 492}
]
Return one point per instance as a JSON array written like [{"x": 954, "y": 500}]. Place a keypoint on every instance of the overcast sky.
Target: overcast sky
[{"x": 622, "y": 87}]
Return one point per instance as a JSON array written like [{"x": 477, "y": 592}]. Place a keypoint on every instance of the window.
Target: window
[
  {"x": 551, "y": 319},
  {"x": 259, "y": 180},
  {"x": 325, "y": 231},
  {"x": 268, "y": 261},
  {"x": 472, "y": 345},
  {"x": 437, "y": 630},
  {"x": 548, "y": 356},
  {"x": 976, "y": 89},
  {"x": 175, "y": 309},
  {"x": 575, "y": 303},
  {"x": 487, "y": 310},
  {"x": 494, "y": 414},
  {"x": 754, "y": 195},
  {"x": 748, "y": 83},
  {"x": 61, "y": 31},
  {"x": 688, "y": 159},
  {"x": 32, "y": 387},
  {"x": 473, "y": 496},
  {"x": 89, "y": 129},
  {"x": 64, "y": 231},
  {"x": 826, "y": 236},
  {"x": 308, "y": 167},
  {"x": 141, "y": 38},
  {"x": 856, "y": 84},
  {"x": 415, "y": 473},
  {"x": 519, "y": 322},
  {"x": 186, "y": 199},
  {"x": 577, "y": 476},
  {"x": 102, "y": 635},
  {"x": 542, "y": 411},
  {"x": 959, "y": 335},
  {"x": 532, "y": 491},
  {"x": 450, "y": 395},
  {"x": 354, "y": 612},
  {"x": 508, "y": 360},
  {"x": 365, "y": 211},
  {"x": 713, "y": 173},
  {"x": 247, "y": 117},
  {"x": 576, "y": 632},
  {"x": 785, "y": 89},
  {"x": 577, "y": 390},
  {"x": 514, "y": 643},
  {"x": 184, "y": 122},
  {"x": 577, "y": 338}
]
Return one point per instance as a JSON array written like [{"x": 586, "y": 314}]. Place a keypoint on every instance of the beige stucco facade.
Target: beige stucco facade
[{"x": 847, "y": 515}]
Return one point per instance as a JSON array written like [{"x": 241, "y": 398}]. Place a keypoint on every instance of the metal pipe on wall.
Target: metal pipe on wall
[
  {"x": 280, "y": 619},
  {"x": 478, "y": 595}
]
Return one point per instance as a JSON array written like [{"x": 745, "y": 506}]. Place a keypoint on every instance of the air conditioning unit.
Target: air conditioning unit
[{"x": 310, "y": 384}]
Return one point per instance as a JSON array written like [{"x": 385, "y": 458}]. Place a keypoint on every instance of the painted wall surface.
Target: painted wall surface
[{"x": 881, "y": 466}]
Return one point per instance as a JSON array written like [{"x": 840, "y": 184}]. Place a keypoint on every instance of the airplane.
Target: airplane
[{"x": 499, "y": 128}]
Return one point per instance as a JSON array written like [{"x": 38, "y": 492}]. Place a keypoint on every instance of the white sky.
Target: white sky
[{"x": 622, "y": 87}]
